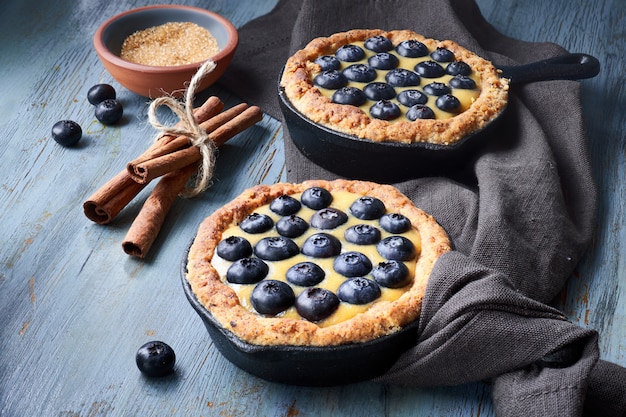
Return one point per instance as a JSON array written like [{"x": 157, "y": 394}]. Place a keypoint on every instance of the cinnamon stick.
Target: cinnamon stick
[
  {"x": 146, "y": 226},
  {"x": 148, "y": 170}
]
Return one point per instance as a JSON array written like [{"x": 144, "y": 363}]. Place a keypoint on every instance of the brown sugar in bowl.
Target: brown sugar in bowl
[{"x": 155, "y": 81}]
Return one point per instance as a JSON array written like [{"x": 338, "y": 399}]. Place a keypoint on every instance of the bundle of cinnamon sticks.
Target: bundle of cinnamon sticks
[{"x": 174, "y": 160}]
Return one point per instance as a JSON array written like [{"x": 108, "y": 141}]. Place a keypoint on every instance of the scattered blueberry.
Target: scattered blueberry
[
  {"x": 358, "y": 290},
  {"x": 429, "y": 69},
  {"x": 256, "y": 223},
  {"x": 362, "y": 234},
  {"x": 419, "y": 111},
  {"x": 316, "y": 198},
  {"x": 385, "y": 110},
  {"x": 458, "y": 68},
  {"x": 66, "y": 132},
  {"x": 412, "y": 49},
  {"x": 328, "y": 218},
  {"x": 349, "y": 95},
  {"x": 247, "y": 271},
  {"x": 367, "y": 208},
  {"x": 462, "y": 81},
  {"x": 109, "y": 111},
  {"x": 378, "y": 43},
  {"x": 233, "y": 248},
  {"x": 285, "y": 205},
  {"x": 352, "y": 264},
  {"x": 379, "y": 91},
  {"x": 383, "y": 61},
  {"x": 272, "y": 297},
  {"x": 410, "y": 98},
  {"x": 396, "y": 248},
  {"x": 402, "y": 77},
  {"x": 155, "y": 359},
  {"x": 321, "y": 245},
  {"x": 330, "y": 79},
  {"x": 315, "y": 304},
  {"x": 100, "y": 92},
  {"x": 291, "y": 226},
  {"x": 395, "y": 223},
  {"x": 442, "y": 55},
  {"x": 448, "y": 103},
  {"x": 391, "y": 274},
  {"x": 305, "y": 274},
  {"x": 276, "y": 248},
  {"x": 360, "y": 73},
  {"x": 436, "y": 89},
  {"x": 350, "y": 53},
  {"x": 328, "y": 62}
]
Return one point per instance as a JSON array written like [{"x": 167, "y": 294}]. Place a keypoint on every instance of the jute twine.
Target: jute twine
[{"x": 190, "y": 128}]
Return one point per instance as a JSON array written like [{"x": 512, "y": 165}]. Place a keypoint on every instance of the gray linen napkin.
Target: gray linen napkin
[{"x": 520, "y": 217}]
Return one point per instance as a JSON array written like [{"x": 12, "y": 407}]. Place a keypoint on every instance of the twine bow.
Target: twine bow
[{"x": 190, "y": 128}]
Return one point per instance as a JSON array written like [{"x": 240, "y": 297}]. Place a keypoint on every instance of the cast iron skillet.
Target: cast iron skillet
[
  {"x": 305, "y": 365},
  {"x": 385, "y": 162}
]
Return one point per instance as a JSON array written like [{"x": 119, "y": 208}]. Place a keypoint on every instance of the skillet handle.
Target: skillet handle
[{"x": 564, "y": 67}]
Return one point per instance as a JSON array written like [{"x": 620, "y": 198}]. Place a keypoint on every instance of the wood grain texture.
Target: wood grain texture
[{"x": 74, "y": 308}]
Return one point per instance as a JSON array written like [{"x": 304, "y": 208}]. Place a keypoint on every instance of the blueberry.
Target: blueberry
[
  {"x": 328, "y": 62},
  {"x": 155, "y": 359},
  {"x": 305, "y": 274},
  {"x": 402, "y": 77},
  {"x": 256, "y": 223},
  {"x": 291, "y": 226},
  {"x": 429, "y": 69},
  {"x": 458, "y": 68},
  {"x": 100, "y": 92},
  {"x": 271, "y": 297},
  {"x": 420, "y": 112},
  {"x": 109, "y": 111},
  {"x": 316, "y": 198},
  {"x": 412, "y": 49},
  {"x": 315, "y": 304},
  {"x": 352, "y": 264},
  {"x": 358, "y": 290},
  {"x": 285, "y": 205},
  {"x": 362, "y": 234},
  {"x": 395, "y": 223},
  {"x": 321, "y": 245},
  {"x": 463, "y": 82},
  {"x": 66, "y": 132},
  {"x": 379, "y": 91},
  {"x": 396, "y": 248},
  {"x": 442, "y": 55},
  {"x": 367, "y": 208},
  {"x": 437, "y": 89},
  {"x": 328, "y": 218},
  {"x": 247, "y": 271},
  {"x": 276, "y": 248},
  {"x": 350, "y": 53},
  {"x": 448, "y": 103},
  {"x": 360, "y": 73},
  {"x": 233, "y": 248},
  {"x": 349, "y": 95},
  {"x": 331, "y": 79},
  {"x": 391, "y": 274},
  {"x": 385, "y": 110},
  {"x": 383, "y": 61},
  {"x": 410, "y": 98},
  {"x": 378, "y": 43}
]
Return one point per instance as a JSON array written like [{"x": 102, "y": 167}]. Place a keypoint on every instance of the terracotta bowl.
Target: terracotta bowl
[{"x": 155, "y": 81}]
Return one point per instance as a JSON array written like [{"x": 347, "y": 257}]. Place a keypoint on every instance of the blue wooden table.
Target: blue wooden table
[{"x": 74, "y": 307}]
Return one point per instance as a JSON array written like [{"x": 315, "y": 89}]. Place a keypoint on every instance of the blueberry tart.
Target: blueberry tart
[
  {"x": 395, "y": 86},
  {"x": 319, "y": 263}
]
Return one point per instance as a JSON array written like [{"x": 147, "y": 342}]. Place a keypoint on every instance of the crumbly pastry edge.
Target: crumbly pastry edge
[
  {"x": 382, "y": 319},
  {"x": 296, "y": 81}
]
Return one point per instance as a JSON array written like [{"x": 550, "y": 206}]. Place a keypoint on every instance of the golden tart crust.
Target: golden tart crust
[
  {"x": 298, "y": 86},
  {"x": 382, "y": 318}
]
